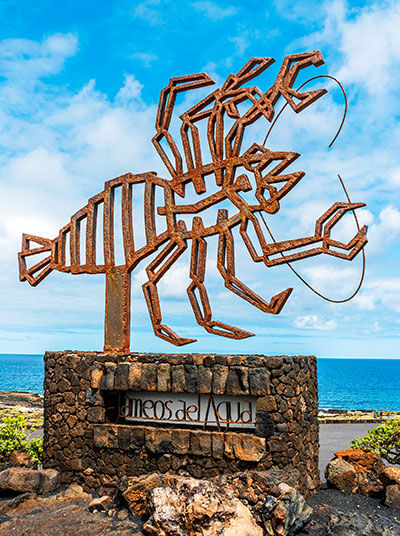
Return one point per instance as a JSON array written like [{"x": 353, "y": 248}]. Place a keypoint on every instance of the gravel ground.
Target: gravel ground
[
  {"x": 348, "y": 514},
  {"x": 352, "y": 502}
]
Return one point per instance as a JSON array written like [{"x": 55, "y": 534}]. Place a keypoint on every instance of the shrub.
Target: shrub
[
  {"x": 13, "y": 436},
  {"x": 35, "y": 449},
  {"x": 384, "y": 440}
]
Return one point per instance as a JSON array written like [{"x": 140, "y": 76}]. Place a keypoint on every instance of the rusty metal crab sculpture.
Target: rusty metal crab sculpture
[{"x": 266, "y": 169}]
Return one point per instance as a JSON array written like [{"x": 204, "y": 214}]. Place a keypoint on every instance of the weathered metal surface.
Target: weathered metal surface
[{"x": 264, "y": 166}]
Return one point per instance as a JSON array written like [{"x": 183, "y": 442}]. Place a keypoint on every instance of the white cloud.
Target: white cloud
[
  {"x": 63, "y": 147},
  {"x": 29, "y": 60},
  {"x": 131, "y": 90},
  {"x": 368, "y": 40},
  {"x": 371, "y": 46},
  {"x": 380, "y": 293},
  {"x": 315, "y": 322},
  {"x": 214, "y": 11},
  {"x": 62, "y": 44},
  {"x": 147, "y": 12},
  {"x": 394, "y": 176},
  {"x": 336, "y": 279},
  {"x": 386, "y": 230},
  {"x": 147, "y": 58},
  {"x": 241, "y": 43}
]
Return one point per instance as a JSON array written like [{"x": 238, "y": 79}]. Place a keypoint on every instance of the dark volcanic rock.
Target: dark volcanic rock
[
  {"x": 54, "y": 516},
  {"x": 341, "y": 513}
]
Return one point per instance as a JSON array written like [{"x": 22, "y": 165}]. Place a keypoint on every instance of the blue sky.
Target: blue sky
[{"x": 79, "y": 85}]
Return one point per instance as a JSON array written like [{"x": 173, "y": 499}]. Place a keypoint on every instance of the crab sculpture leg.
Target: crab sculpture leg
[
  {"x": 164, "y": 115},
  {"x": 202, "y": 309},
  {"x": 226, "y": 267},
  {"x": 155, "y": 271}
]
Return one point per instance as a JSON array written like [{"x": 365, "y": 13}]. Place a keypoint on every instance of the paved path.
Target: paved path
[{"x": 334, "y": 437}]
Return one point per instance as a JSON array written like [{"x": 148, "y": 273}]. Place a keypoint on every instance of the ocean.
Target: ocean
[{"x": 343, "y": 383}]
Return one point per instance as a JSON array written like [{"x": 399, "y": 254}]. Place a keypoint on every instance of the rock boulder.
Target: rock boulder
[
  {"x": 361, "y": 460},
  {"x": 341, "y": 475},
  {"x": 390, "y": 475},
  {"x": 363, "y": 478},
  {"x": 197, "y": 507},
  {"x": 18, "y": 458},
  {"x": 23, "y": 480},
  {"x": 230, "y": 505},
  {"x": 392, "y": 495}
]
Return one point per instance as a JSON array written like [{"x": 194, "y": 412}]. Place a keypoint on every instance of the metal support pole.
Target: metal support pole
[{"x": 118, "y": 310}]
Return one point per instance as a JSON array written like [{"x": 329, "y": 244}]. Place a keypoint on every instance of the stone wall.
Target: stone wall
[{"x": 82, "y": 443}]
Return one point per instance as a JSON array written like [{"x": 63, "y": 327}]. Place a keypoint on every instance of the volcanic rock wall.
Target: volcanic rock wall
[{"x": 88, "y": 439}]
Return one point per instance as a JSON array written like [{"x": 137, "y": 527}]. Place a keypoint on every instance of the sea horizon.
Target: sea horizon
[
  {"x": 216, "y": 353},
  {"x": 344, "y": 383}
]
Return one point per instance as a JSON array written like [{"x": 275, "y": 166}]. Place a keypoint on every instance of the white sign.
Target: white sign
[{"x": 219, "y": 411}]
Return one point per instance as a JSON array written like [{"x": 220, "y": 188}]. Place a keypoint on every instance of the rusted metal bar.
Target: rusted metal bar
[{"x": 118, "y": 310}]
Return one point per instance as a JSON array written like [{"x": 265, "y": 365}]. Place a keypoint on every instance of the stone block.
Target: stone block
[
  {"x": 69, "y": 398},
  {"x": 96, "y": 414},
  {"x": 341, "y": 475},
  {"x": 164, "y": 378},
  {"x": 266, "y": 403},
  {"x": 100, "y": 504},
  {"x": 137, "y": 437},
  {"x": 75, "y": 464},
  {"x": 49, "y": 481},
  {"x": 178, "y": 379},
  {"x": 244, "y": 447},
  {"x": 204, "y": 377},
  {"x": 149, "y": 377},
  {"x": 63, "y": 385},
  {"x": 113, "y": 436},
  {"x": 392, "y": 496},
  {"x": 191, "y": 378},
  {"x": 135, "y": 377},
  {"x": 19, "y": 479},
  {"x": 71, "y": 421},
  {"x": 277, "y": 445},
  {"x": 219, "y": 377},
  {"x": 259, "y": 378},
  {"x": 159, "y": 440},
  {"x": 264, "y": 424},
  {"x": 124, "y": 437},
  {"x": 237, "y": 382},
  {"x": 217, "y": 445},
  {"x": 390, "y": 475},
  {"x": 164, "y": 440},
  {"x": 107, "y": 381},
  {"x": 121, "y": 377},
  {"x": 200, "y": 443},
  {"x": 96, "y": 376},
  {"x": 198, "y": 359},
  {"x": 137, "y": 491},
  {"x": 274, "y": 362},
  {"x": 91, "y": 396},
  {"x": 100, "y": 436}
]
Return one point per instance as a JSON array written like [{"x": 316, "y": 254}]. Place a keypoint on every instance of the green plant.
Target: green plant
[
  {"x": 13, "y": 436},
  {"x": 384, "y": 440},
  {"x": 35, "y": 449}
]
